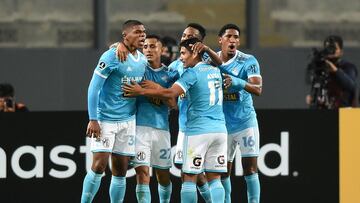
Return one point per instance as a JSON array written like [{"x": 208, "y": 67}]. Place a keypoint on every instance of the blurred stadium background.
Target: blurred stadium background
[{"x": 49, "y": 48}]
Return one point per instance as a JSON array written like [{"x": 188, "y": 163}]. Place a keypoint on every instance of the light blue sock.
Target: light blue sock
[
  {"x": 165, "y": 193},
  {"x": 253, "y": 188},
  {"x": 217, "y": 191},
  {"x": 91, "y": 185},
  {"x": 205, "y": 192},
  {"x": 143, "y": 194},
  {"x": 226, "y": 182},
  {"x": 117, "y": 189},
  {"x": 188, "y": 192}
]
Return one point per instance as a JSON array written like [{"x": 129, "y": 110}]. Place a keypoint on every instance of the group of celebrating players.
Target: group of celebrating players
[{"x": 129, "y": 97}]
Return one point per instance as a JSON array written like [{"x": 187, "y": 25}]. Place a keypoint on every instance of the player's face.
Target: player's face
[
  {"x": 190, "y": 32},
  {"x": 187, "y": 57},
  {"x": 135, "y": 35},
  {"x": 230, "y": 41},
  {"x": 152, "y": 49}
]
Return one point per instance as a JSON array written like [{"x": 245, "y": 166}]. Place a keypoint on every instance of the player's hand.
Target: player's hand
[
  {"x": 93, "y": 129},
  {"x": 148, "y": 84},
  {"x": 199, "y": 47},
  {"x": 122, "y": 52},
  {"x": 227, "y": 81},
  {"x": 132, "y": 90},
  {"x": 114, "y": 45}
]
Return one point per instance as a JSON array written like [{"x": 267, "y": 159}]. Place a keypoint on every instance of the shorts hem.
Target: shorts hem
[
  {"x": 101, "y": 150},
  {"x": 193, "y": 172},
  {"x": 123, "y": 154},
  {"x": 161, "y": 167}
]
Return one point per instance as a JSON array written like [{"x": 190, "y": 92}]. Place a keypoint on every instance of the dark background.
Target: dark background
[
  {"x": 313, "y": 154},
  {"x": 57, "y": 79}
]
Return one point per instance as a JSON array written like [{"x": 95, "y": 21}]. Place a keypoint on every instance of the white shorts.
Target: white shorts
[
  {"x": 248, "y": 142},
  {"x": 117, "y": 138},
  {"x": 152, "y": 147},
  {"x": 179, "y": 148},
  {"x": 206, "y": 152}
]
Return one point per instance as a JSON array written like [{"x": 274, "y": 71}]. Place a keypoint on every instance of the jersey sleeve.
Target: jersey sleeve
[
  {"x": 106, "y": 64},
  {"x": 173, "y": 75},
  {"x": 95, "y": 86},
  {"x": 187, "y": 79},
  {"x": 252, "y": 67}
]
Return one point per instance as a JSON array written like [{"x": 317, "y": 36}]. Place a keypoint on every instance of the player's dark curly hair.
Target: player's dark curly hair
[
  {"x": 228, "y": 26},
  {"x": 200, "y": 28}
]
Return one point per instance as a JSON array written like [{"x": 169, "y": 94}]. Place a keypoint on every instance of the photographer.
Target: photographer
[
  {"x": 333, "y": 80},
  {"x": 7, "y": 101}
]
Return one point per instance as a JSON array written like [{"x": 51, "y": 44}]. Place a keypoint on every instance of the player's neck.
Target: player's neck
[
  {"x": 225, "y": 56},
  {"x": 155, "y": 65},
  {"x": 130, "y": 48}
]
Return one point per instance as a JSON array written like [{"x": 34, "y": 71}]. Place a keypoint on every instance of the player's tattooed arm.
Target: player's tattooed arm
[
  {"x": 253, "y": 85},
  {"x": 201, "y": 47}
]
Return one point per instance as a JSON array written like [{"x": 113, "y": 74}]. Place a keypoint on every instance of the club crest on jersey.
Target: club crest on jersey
[
  {"x": 235, "y": 71},
  {"x": 106, "y": 142},
  {"x": 179, "y": 154},
  {"x": 102, "y": 65},
  {"x": 141, "y": 156}
]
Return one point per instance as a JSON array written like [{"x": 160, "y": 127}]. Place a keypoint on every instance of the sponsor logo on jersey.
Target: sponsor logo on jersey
[
  {"x": 155, "y": 101},
  {"x": 197, "y": 161},
  {"x": 231, "y": 96},
  {"x": 221, "y": 159}
]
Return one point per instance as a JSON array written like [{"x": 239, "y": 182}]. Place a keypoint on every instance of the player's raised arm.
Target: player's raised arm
[{"x": 134, "y": 89}]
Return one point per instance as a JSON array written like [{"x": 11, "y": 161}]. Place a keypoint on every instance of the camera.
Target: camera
[
  {"x": 318, "y": 74},
  {"x": 9, "y": 103},
  {"x": 319, "y": 56}
]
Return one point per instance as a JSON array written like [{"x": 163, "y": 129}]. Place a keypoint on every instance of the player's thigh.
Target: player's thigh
[
  {"x": 194, "y": 150},
  {"x": 143, "y": 146},
  {"x": 106, "y": 141},
  {"x": 249, "y": 141},
  {"x": 179, "y": 148},
  {"x": 161, "y": 149},
  {"x": 216, "y": 155},
  {"x": 125, "y": 138}
]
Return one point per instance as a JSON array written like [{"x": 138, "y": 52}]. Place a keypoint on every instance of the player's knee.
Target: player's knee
[
  {"x": 98, "y": 167},
  {"x": 143, "y": 174},
  {"x": 201, "y": 179},
  {"x": 224, "y": 175},
  {"x": 250, "y": 170}
]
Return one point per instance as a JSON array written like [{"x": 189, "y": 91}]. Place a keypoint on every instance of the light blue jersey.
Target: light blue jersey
[
  {"x": 238, "y": 105},
  {"x": 178, "y": 66},
  {"x": 152, "y": 112},
  {"x": 203, "y": 87},
  {"x": 111, "y": 104}
]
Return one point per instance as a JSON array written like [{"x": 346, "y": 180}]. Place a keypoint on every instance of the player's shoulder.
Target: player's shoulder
[
  {"x": 244, "y": 57},
  {"x": 175, "y": 64},
  {"x": 142, "y": 57},
  {"x": 109, "y": 55}
]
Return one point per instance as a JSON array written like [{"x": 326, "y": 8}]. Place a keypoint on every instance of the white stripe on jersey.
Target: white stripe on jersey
[
  {"x": 255, "y": 75},
  {"x": 182, "y": 87},
  {"x": 99, "y": 74}
]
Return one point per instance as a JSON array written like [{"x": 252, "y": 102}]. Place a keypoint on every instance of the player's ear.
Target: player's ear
[
  {"x": 123, "y": 34},
  {"x": 219, "y": 40}
]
